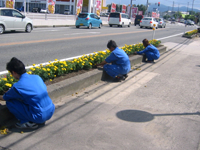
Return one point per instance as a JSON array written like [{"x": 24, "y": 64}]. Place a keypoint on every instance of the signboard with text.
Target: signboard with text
[
  {"x": 51, "y": 6},
  {"x": 98, "y": 7},
  {"x": 79, "y": 6},
  {"x": 113, "y": 7},
  {"x": 154, "y": 15},
  {"x": 140, "y": 12},
  {"x": 123, "y": 8},
  {"x": 134, "y": 12},
  {"x": 10, "y": 3}
]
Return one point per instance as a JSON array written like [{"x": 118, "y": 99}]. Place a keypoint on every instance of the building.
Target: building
[{"x": 60, "y": 5}]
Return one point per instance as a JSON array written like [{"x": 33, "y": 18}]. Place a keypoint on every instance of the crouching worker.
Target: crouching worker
[
  {"x": 27, "y": 99},
  {"x": 117, "y": 64},
  {"x": 150, "y": 52}
]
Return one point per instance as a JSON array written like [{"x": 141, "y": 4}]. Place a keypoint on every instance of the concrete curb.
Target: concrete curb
[{"x": 74, "y": 84}]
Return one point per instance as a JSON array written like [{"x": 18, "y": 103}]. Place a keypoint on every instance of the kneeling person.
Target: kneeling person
[
  {"x": 120, "y": 63},
  {"x": 27, "y": 99},
  {"x": 150, "y": 52}
]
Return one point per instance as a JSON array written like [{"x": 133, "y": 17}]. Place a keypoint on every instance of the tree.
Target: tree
[
  {"x": 166, "y": 16},
  {"x": 190, "y": 17},
  {"x": 142, "y": 8},
  {"x": 109, "y": 7},
  {"x": 177, "y": 15}
]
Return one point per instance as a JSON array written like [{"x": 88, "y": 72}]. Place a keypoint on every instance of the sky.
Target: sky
[{"x": 164, "y": 2}]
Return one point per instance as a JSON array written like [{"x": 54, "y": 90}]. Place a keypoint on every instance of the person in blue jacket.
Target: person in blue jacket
[
  {"x": 27, "y": 99},
  {"x": 150, "y": 52},
  {"x": 117, "y": 64}
]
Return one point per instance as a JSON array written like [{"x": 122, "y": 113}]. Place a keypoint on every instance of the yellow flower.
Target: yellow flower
[
  {"x": 33, "y": 64},
  {"x": 54, "y": 75},
  {"x": 48, "y": 69},
  {"x": 49, "y": 74},
  {"x": 29, "y": 72},
  {"x": 10, "y": 75},
  {"x": 11, "y": 79},
  {"x": 61, "y": 65},
  {"x": 56, "y": 59},
  {"x": 5, "y": 79},
  {"x": 8, "y": 85},
  {"x": 50, "y": 80}
]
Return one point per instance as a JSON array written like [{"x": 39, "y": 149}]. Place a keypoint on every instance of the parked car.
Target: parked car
[
  {"x": 44, "y": 11},
  {"x": 36, "y": 9},
  {"x": 89, "y": 20},
  {"x": 104, "y": 14},
  {"x": 161, "y": 23},
  {"x": 12, "y": 19},
  {"x": 67, "y": 12},
  {"x": 182, "y": 21},
  {"x": 119, "y": 19},
  {"x": 173, "y": 21},
  {"x": 148, "y": 22},
  {"x": 189, "y": 22},
  {"x": 138, "y": 18}
]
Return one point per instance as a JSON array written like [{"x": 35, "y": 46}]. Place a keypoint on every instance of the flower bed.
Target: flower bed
[
  {"x": 59, "y": 68},
  {"x": 190, "y": 33}
]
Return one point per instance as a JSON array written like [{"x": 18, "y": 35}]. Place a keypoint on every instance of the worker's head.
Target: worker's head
[
  {"x": 145, "y": 42},
  {"x": 16, "y": 67},
  {"x": 111, "y": 45}
]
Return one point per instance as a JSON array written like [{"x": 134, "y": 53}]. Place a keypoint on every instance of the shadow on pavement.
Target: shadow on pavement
[{"x": 143, "y": 116}]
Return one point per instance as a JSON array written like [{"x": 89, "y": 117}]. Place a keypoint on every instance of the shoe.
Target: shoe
[
  {"x": 125, "y": 76},
  {"x": 150, "y": 61},
  {"x": 119, "y": 78},
  {"x": 27, "y": 125}
]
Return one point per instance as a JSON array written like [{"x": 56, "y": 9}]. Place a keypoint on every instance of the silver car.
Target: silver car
[
  {"x": 161, "y": 23},
  {"x": 148, "y": 22},
  {"x": 12, "y": 19}
]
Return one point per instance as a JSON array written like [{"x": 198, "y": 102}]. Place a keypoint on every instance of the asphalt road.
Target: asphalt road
[{"x": 46, "y": 44}]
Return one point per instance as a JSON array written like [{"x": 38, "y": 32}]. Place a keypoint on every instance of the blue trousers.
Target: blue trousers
[
  {"x": 150, "y": 56},
  {"x": 114, "y": 70},
  {"x": 21, "y": 112}
]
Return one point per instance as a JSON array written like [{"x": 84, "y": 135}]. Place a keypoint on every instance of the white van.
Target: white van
[{"x": 119, "y": 19}]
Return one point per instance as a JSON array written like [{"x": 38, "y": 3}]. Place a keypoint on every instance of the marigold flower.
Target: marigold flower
[
  {"x": 50, "y": 80},
  {"x": 5, "y": 79},
  {"x": 8, "y": 85}
]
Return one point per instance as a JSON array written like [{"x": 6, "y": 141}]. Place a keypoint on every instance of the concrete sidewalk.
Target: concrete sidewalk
[{"x": 156, "y": 108}]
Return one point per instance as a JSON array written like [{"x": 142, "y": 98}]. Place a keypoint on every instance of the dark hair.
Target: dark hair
[
  {"x": 16, "y": 65},
  {"x": 145, "y": 42},
  {"x": 111, "y": 43}
]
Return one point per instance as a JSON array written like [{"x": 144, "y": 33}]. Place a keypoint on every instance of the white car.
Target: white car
[
  {"x": 148, "y": 22},
  {"x": 44, "y": 11},
  {"x": 67, "y": 12},
  {"x": 12, "y": 19},
  {"x": 119, "y": 19}
]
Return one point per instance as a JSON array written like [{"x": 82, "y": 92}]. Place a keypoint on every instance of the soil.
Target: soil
[{"x": 66, "y": 76}]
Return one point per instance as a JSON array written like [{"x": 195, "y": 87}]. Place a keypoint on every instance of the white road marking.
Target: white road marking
[{"x": 84, "y": 33}]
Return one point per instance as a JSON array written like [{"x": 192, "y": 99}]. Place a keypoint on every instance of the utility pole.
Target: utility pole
[
  {"x": 192, "y": 5},
  {"x": 188, "y": 6},
  {"x": 173, "y": 7},
  {"x": 147, "y": 7},
  {"x": 130, "y": 10}
]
